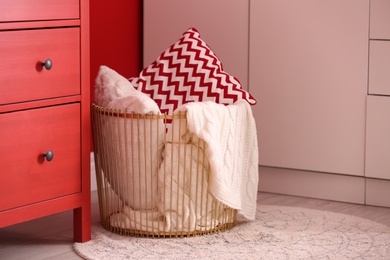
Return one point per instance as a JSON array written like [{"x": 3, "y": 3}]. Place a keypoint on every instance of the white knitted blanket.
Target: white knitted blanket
[{"x": 232, "y": 150}]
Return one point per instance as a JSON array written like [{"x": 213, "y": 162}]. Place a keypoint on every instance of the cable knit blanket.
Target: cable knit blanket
[{"x": 230, "y": 135}]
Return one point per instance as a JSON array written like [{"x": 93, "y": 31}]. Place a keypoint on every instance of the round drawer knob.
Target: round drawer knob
[
  {"x": 48, "y": 155},
  {"x": 48, "y": 64}
]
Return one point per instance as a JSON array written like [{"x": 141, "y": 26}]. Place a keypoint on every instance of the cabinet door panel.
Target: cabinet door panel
[
  {"x": 378, "y": 137},
  {"x": 308, "y": 70},
  {"x": 379, "y": 68},
  {"x": 380, "y": 19}
]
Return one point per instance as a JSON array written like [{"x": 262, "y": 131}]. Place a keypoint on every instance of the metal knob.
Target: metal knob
[
  {"x": 48, "y": 64},
  {"x": 48, "y": 155}
]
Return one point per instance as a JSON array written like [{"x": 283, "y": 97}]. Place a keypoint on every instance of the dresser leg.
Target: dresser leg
[{"x": 82, "y": 223}]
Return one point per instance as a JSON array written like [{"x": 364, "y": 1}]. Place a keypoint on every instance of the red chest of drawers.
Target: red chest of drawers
[{"x": 44, "y": 111}]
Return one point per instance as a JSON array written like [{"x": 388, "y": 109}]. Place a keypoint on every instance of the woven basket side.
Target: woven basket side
[{"x": 152, "y": 176}]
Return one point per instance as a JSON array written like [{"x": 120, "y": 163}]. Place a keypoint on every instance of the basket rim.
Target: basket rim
[{"x": 126, "y": 114}]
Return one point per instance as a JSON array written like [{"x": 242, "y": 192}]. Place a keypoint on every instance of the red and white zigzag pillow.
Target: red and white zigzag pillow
[{"x": 189, "y": 71}]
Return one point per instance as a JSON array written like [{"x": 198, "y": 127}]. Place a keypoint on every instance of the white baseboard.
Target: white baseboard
[{"x": 346, "y": 188}]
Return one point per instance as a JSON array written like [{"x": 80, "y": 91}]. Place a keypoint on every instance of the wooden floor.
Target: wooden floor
[{"x": 51, "y": 237}]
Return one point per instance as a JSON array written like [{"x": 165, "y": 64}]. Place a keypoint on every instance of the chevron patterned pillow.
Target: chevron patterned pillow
[{"x": 189, "y": 71}]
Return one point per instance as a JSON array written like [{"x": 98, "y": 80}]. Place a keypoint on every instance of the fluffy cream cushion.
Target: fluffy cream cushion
[
  {"x": 112, "y": 90},
  {"x": 133, "y": 146}
]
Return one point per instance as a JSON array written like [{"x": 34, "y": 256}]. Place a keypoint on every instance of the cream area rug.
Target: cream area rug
[{"x": 278, "y": 232}]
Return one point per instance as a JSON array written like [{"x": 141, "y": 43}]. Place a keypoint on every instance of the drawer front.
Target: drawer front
[
  {"x": 379, "y": 68},
  {"x": 30, "y": 10},
  {"x": 380, "y": 19},
  {"x": 24, "y": 78},
  {"x": 26, "y": 176}
]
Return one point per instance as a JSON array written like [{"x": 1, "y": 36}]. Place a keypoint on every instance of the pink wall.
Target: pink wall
[{"x": 222, "y": 24}]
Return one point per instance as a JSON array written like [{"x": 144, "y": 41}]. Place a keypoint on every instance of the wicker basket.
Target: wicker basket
[{"x": 152, "y": 181}]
